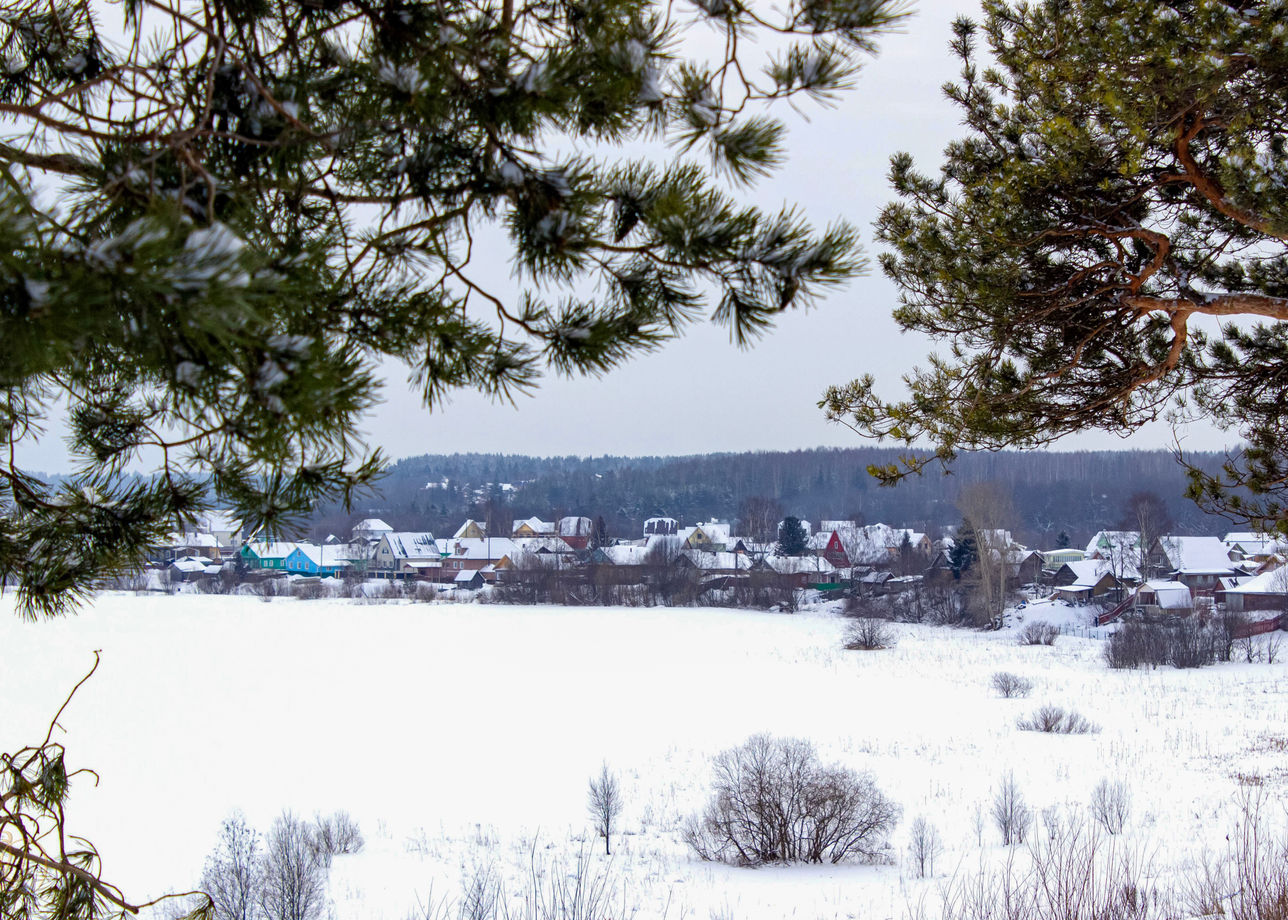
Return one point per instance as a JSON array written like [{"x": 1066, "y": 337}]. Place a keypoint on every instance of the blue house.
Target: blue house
[{"x": 310, "y": 559}]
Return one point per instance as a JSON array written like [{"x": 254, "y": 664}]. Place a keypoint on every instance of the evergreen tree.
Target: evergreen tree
[
  {"x": 1062, "y": 541},
  {"x": 792, "y": 539},
  {"x": 244, "y": 208},
  {"x": 965, "y": 549},
  {"x": 1121, "y": 178}
]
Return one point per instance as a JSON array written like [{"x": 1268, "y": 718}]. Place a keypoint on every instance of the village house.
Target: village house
[
  {"x": 1200, "y": 563},
  {"x": 266, "y": 555},
  {"x": 1083, "y": 581},
  {"x": 406, "y": 554}
]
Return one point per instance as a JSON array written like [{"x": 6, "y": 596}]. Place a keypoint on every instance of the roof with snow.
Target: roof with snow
[
  {"x": 412, "y": 544},
  {"x": 1197, "y": 555},
  {"x": 485, "y": 548},
  {"x": 328, "y": 556},
  {"x": 625, "y": 554},
  {"x": 1170, "y": 595},
  {"x": 272, "y": 550},
  {"x": 1273, "y": 582},
  {"x": 534, "y": 524},
  {"x": 574, "y": 526},
  {"x": 371, "y": 527},
  {"x": 1090, "y": 572},
  {"x": 795, "y": 565},
  {"x": 1114, "y": 541}
]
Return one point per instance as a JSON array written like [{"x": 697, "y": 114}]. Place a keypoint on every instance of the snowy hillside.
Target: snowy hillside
[{"x": 463, "y": 736}]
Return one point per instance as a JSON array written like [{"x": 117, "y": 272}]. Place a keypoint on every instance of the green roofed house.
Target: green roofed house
[{"x": 266, "y": 555}]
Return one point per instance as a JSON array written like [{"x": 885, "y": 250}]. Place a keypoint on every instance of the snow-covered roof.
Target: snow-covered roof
[
  {"x": 272, "y": 550},
  {"x": 1121, "y": 542},
  {"x": 1274, "y": 582},
  {"x": 324, "y": 556},
  {"x": 626, "y": 554},
  {"x": 1255, "y": 544},
  {"x": 1089, "y": 572},
  {"x": 710, "y": 562},
  {"x": 1197, "y": 555},
  {"x": 218, "y": 520},
  {"x": 573, "y": 526},
  {"x": 467, "y": 575},
  {"x": 412, "y": 544},
  {"x": 371, "y": 527},
  {"x": 190, "y": 565},
  {"x": 535, "y": 524},
  {"x": 471, "y": 523},
  {"x": 484, "y": 548},
  {"x": 545, "y": 544},
  {"x": 795, "y": 565},
  {"x": 1170, "y": 595}
]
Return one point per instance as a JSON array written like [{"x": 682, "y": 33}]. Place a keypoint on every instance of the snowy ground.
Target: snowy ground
[{"x": 463, "y": 736}]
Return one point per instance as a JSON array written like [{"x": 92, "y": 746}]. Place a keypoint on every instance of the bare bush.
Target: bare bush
[
  {"x": 604, "y": 802},
  {"x": 337, "y": 834},
  {"x": 1010, "y": 812},
  {"x": 1071, "y": 874},
  {"x": 924, "y": 846},
  {"x": 774, "y": 802},
  {"x": 1249, "y": 648},
  {"x": 1011, "y": 685},
  {"x": 1183, "y": 644},
  {"x": 1039, "y": 632},
  {"x": 481, "y": 897},
  {"x": 1273, "y": 641},
  {"x": 1250, "y": 882},
  {"x": 869, "y": 634},
  {"x": 1110, "y": 805},
  {"x": 585, "y": 891},
  {"x": 1057, "y": 720}
]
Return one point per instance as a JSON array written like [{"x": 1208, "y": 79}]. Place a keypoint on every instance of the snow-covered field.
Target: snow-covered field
[{"x": 463, "y": 736}]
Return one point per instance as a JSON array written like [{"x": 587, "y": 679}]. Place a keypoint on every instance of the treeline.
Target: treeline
[{"x": 1076, "y": 493}]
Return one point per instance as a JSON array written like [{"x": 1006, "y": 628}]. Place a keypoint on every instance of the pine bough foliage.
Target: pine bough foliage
[
  {"x": 212, "y": 232},
  {"x": 1119, "y": 192}
]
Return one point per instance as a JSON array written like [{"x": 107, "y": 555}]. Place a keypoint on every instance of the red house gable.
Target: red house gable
[{"x": 835, "y": 552}]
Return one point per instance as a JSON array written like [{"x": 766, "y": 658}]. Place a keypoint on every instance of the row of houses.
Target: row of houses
[{"x": 1241, "y": 570}]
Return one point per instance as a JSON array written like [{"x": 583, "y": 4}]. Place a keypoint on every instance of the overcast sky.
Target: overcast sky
[{"x": 702, "y": 394}]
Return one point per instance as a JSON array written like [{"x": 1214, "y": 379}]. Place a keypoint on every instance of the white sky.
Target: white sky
[{"x": 702, "y": 394}]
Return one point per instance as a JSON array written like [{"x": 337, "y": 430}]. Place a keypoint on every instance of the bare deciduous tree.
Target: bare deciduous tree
[
  {"x": 295, "y": 872},
  {"x": 1010, "y": 812},
  {"x": 233, "y": 873},
  {"x": 604, "y": 802},
  {"x": 924, "y": 846},
  {"x": 991, "y": 513}
]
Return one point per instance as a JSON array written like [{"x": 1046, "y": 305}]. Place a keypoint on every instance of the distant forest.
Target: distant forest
[{"x": 1073, "y": 493}]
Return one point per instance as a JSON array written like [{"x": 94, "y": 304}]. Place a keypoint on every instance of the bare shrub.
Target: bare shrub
[
  {"x": 1057, "y": 720},
  {"x": 1110, "y": 805},
  {"x": 1011, "y": 685},
  {"x": 1191, "y": 645},
  {"x": 584, "y": 891},
  {"x": 1249, "y": 648},
  {"x": 481, "y": 897},
  {"x": 924, "y": 846},
  {"x": 1010, "y": 812},
  {"x": 294, "y": 872},
  {"x": 1071, "y": 874},
  {"x": 1039, "y": 632},
  {"x": 774, "y": 802},
  {"x": 1183, "y": 644},
  {"x": 869, "y": 634},
  {"x": 604, "y": 802},
  {"x": 1250, "y": 882},
  {"x": 1273, "y": 641},
  {"x": 337, "y": 834}
]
